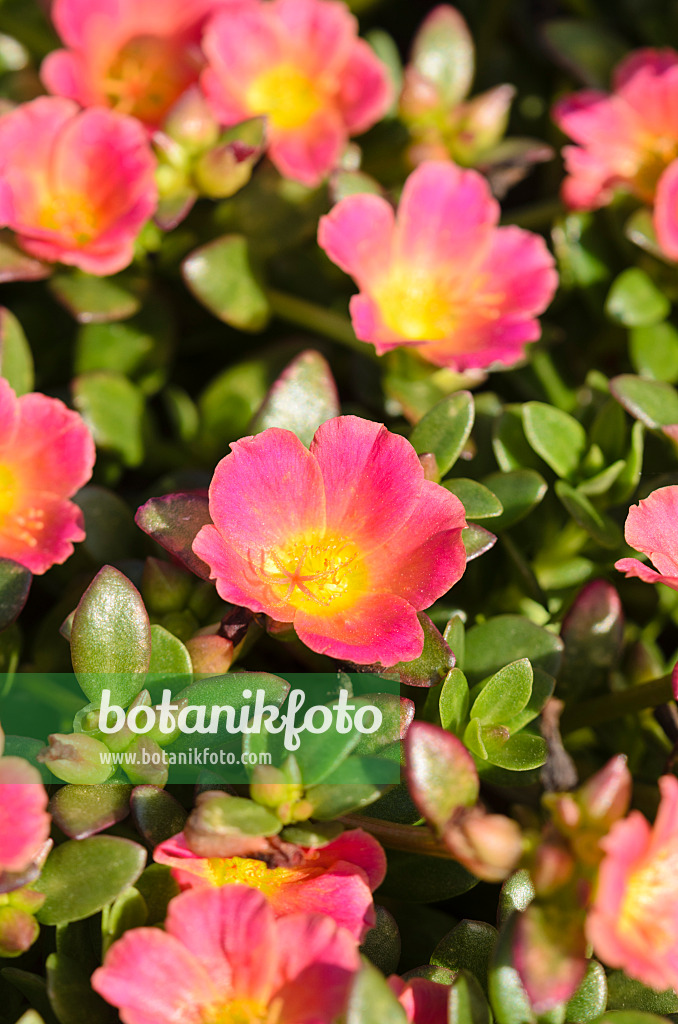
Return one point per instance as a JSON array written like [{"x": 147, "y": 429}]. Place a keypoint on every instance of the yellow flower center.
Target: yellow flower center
[
  {"x": 239, "y": 1011},
  {"x": 650, "y": 900},
  {"x": 8, "y": 487},
  {"x": 147, "y": 76},
  {"x": 417, "y": 306},
  {"x": 286, "y": 96},
  {"x": 313, "y": 572},
  {"x": 248, "y": 871},
  {"x": 71, "y": 215}
]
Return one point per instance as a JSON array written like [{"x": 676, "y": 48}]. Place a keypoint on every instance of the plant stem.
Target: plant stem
[
  {"x": 614, "y": 705},
  {"x": 316, "y": 319},
  {"x": 410, "y": 838}
]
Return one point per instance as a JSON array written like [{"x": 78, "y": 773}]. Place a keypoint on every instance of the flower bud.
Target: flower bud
[
  {"x": 272, "y": 788},
  {"x": 77, "y": 758},
  {"x": 210, "y": 655},
  {"x": 605, "y": 797},
  {"x": 552, "y": 869},
  {"x": 489, "y": 845},
  {"x": 224, "y": 170},
  {"x": 482, "y": 123},
  {"x": 190, "y": 122}
]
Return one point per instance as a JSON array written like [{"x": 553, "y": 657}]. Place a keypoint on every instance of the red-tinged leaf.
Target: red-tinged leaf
[
  {"x": 303, "y": 397},
  {"x": 430, "y": 668},
  {"x": 549, "y": 951},
  {"x": 441, "y": 773},
  {"x": 174, "y": 521}
]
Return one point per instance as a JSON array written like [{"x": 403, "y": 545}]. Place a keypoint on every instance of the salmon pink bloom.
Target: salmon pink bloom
[
  {"x": 347, "y": 541},
  {"x": 301, "y": 64},
  {"x": 225, "y": 959},
  {"x": 624, "y": 139},
  {"x": 634, "y": 919},
  {"x": 651, "y": 527},
  {"x": 46, "y": 455},
  {"x": 24, "y": 821},
  {"x": 75, "y": 186},
  {"x": 337, "y": 879},
  {"x": 424, "y": 1001},
  {"x": 441, "y": 276},
  {"x": 135, "y": 56}
]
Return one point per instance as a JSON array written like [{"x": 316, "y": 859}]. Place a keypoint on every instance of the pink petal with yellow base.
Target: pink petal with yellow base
[
  {"x": 337, "y": 879},
  {"x": 346, "y": 540},
  {"x": 300, "y": 64},
  {"x": 442, "y": 277},
  {"x": 224, "y": 957},
  {"x": 46, "y": 455},
  {"x": 634, "y": 919}
]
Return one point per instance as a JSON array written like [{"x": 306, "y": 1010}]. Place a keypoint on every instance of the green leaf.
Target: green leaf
[
  {"x": 652, "y": 402},
  {"x": 83, "y": 810},
  {"x": 111, "y": 638},
  {"x": 303, "y": 397},
  {"x": 228, "y": 404},
  {"x": 113, "y": 409},
  {"x": 157, "y": 814},
  {"x": 424, "y": 879},
  {"x": 71, "y": 995},
  {"x": 111, "y": 535},
  {"x": 467, "y": 1004},
  {"x": 371, "y": 999},
  {"x": 220, "y": 276},
  {"x": 454, "y": 702},
  {"x": 634, "y": 300},
  {"x": 517, "y": 893},
  {"x": 629, "y": 1017},
  {"x": 629, "y": 478},
  {"x": 510, "y": 446},
  {"x": 519, "y": 753},
  {"x": 16, "y": 360},
  {"x": 588, "y": 51},
  {"x": 444, "y": 54},
  {"x": 81, "y": 876},
  {"x": 225, "y": 815},
  {"x": 381, "y": 945},
  {"x": 15, "y": 583},
  {"x": 445, "y": 429},
  {"x": 508, "y": 998},
  {"x": 654, "y": 351},
  {"x": 590, "y": 999},
  {"x": 157, "y": 887},
  {"x": 174, "y": 521},
  {"x": 600, "y": 527},
  {"x": 469, "y": 946},
  {"x": 477, "y": 541},
  {"x": 556, "y": 436},
  {"x": 519, "y": 491},
  {"x": 473, "y": 738},
  {"x": 628, "y": 994},
  {"x": 94, "y": 300},
  {"x": 441, "y": 773},
  {"x": 479, "y": 502},
  {"x": 543, "y": 686},
  {"x": 505, "y": 638},
  {"x": 505, "y": 695},
  {"x": 170, "y": 663}
]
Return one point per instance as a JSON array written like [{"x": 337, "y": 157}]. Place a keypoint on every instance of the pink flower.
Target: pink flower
[
  {"x": 301, "y": 64},
  {"x": 225, "y": 959},
  {"x": 634, "y": 920},
  {"x": 337, "y": 879},
  {"x": 347, "y": 541},
  {"x": 625, "y": 139},
  {"x": 424, "y": 1001},
  {"x": 76, "y": 187},
  {"x": 24, "y": 821},
  {"x": 651, "y": 527},
  {"x": 441, "y": 276},
  {"x": 135, "y": 56},
  {"x": 46, "y": 455}
]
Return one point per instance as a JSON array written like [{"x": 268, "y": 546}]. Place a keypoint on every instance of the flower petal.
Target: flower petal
[{"x": 357, "y": 235}]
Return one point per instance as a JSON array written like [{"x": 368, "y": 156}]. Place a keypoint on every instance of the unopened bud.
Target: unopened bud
[
  {"x": 210, "y": 655},
  {"x": 77, "y": 758},
  {"x": 552, "y": 869},
  {"x": 224, "y": 170},
  {"x": 605, "y": 797},
  {"x": 190, "y": 122},
  {"x": 482, "y": 123},
  {"x": 272, "y": 788},
  {"x": 489, "y": 845}
]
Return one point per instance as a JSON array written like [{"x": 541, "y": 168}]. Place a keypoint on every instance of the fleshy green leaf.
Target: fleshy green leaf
[
  {"x": 654, "y": 351},
  {"x": 479, "y": 502},
  {"x": 16, "y": 360},
  {"x": 628, "y": 994},
  {"x": 445, "y": 429},
  {"x": 94, "y": 300},
  {"x": 111, "y": 638},
  {"x": 15, "y": 583},
  {"x": 82, "y": 811},
  {"x": 372, "y": 999},
  {"x": 590, "y": 999},
  {"x": 519, "y": 753},
  {"x": 156, "y": 814},
  {"x": 505, "y": 638},
  {"x": 444, "y": 54},
  {"x": 381, "y": 945},
  {"x": 556, "y": 436},
  {"x": 303, "y": 397},
  {"x": 504, "y": 695},
  {"x": 652, "y": 402},
  {"x": 82, "y": 876},
  {"x": 220, "y": 276},
  {"x": 71, "y": 995},
  {"x": 477, "y": 541},
  {"x": 454, "y": 702},
  {"x": 518, "y": 491},
  {"x": 113, "y": 409},
  {"x": 469, "y": 947},
  {"x": 440, "y": 772},
  {"x": 467, "y": 1004},
  {"x": 603, "y": 529},
  {"x": 635, "y": 300}
]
